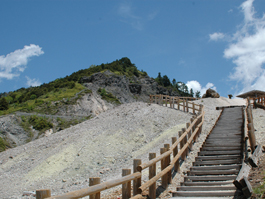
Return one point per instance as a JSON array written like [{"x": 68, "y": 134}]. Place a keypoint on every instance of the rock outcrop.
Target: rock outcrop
[
  {"x": 211, "y": 93},
  {"x": 126, "y": 89}
]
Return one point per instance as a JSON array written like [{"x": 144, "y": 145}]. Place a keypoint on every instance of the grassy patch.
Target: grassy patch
[
  {"x": 38, "y": 123},
  {"x": 108, "y": 96},
  {"x": 3, "y": 144},
  {"x": 260, "y": 190},
  {"x": 63, "y": 123},
  {"x": 33, "y": 105}
]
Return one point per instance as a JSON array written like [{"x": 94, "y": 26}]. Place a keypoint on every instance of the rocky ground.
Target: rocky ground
[
  {"x": 101, "y": 147},
  {"x": 257, "y": 175}
]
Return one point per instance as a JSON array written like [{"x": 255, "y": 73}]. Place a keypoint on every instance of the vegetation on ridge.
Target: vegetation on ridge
[{"x": 63, "y": 90}]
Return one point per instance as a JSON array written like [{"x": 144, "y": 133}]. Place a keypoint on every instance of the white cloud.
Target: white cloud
[
  {"x": 33, "y": 82},
  {"x": 247, "y": 50},
  {"x": 15, "y": 62},
  {"x": 125, "y": 10},
  {"x": 196, "y": 86},
  {"x": 216, "y": 36}
]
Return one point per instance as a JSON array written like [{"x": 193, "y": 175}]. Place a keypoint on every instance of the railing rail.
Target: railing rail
[
  {"x": 176, "y": 102},
  {"x": 250, "y": 125},
  {"x": 186, "y": 138}
]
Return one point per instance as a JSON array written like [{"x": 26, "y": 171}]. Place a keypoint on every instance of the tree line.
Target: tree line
[{"x": 181, "y": 87}]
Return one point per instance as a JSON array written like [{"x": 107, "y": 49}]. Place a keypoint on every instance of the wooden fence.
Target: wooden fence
[
  {"x": 250, "y": 127},
  {"x": 169, "y": 159},
  {"x": 176, "y": 102},
  {"x": 257, "y": 102}
]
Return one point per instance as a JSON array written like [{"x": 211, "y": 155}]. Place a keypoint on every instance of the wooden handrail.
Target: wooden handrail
[{"x": 97, "y": 188}]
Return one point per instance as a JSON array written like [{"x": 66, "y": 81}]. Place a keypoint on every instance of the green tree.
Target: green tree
[
  {"x": 159, "y": 79},
  {"x": 191, "y": 92},
  {"x": 3, "y": 104},
  {"x": 166, "y": 81},
  {"x": 174, "y": 83},
  {"x": 198, "y": 94}
]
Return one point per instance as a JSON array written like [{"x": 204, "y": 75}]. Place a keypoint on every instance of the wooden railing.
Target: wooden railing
[
  {"x": 169, "y": 159},
  {"x": 176, "y": 102},
  {"x": 250, "y": 125}
]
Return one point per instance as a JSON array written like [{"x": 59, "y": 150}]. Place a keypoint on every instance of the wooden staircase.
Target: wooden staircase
[{"x": 218, "y": 161}]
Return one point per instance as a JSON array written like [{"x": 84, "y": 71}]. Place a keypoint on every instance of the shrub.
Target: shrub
[
  {"x": 3, "y": 144},
  {"x": 3, "y": 104},
  {"x": 40, "y": 123}
]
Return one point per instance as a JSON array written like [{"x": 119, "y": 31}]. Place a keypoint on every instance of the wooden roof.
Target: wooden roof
[{"x": 252, "y": 94}]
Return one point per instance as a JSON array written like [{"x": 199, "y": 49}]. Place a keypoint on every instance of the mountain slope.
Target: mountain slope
[{"x": 82, "y": 95}]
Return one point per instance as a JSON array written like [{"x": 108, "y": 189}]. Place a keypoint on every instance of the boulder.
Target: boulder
[{"x": 211, "y": 93}]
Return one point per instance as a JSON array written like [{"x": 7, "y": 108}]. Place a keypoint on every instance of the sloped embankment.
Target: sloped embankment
[{"x": 101, "y": 147}]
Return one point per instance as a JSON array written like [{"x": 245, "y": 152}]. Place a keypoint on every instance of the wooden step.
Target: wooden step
[
  {"x": 220, "y": 183},
  {"x": 218, "y": 157},
  {"x": 232, "y": 152},
  {"x": 218, "y": 142},
  {"x": 213, "y": 172},
  {"x": 221, "y": 148},
  {"x": 221, "y": 144},
  {"x": 215, "y": 167},
  {"x": 216, "y": 162},
  {"x": 204, "y": 193},
  {"x": 224, "y": 140},
  {"x": 209, "y": 178},
  {"x": 205, "y": 188},
  {"x": 229, "y": 133}
]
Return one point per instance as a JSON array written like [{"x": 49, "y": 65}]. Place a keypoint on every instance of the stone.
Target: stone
[{"x": 210, "y": 93}]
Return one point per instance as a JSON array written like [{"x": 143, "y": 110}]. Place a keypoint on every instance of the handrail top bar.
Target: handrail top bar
[{"x": 97, "y": 188}]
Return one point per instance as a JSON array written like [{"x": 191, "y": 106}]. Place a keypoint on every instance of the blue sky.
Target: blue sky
[{"x": 203, "y": 43}]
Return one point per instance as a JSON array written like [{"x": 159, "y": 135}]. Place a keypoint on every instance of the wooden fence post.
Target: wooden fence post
[
  {"x": 187, "y": 105},
  {"x": 194, "y": 127},
  {"x": 193, "y": 107},
  {"x": 126, "y": 187},
  {"x": 175, "y": 152},
  {"x": 185, "y": 141},
  {"x": 152, "y": 173},
  {"x": 189, "y": 134},
  {"x": 184, "y": 108},
  {"x": 43, "y": 193},
  {"x": 178, "y": 104},
  {"x": 137, "y": 182},
  {"x": 94, "y": 181},
  {"x": 163, "y": 166},
  {"x": 251, "y": 136},
  {"x": 181, "y": 144},
  {"x": 167, "y": 146}
]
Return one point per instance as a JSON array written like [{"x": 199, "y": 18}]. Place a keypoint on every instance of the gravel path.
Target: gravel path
[{"x": 99, "y": 147}]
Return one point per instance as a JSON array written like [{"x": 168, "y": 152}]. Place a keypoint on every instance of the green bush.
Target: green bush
[
  {"x": 40, "y": 123},
  {"x": 3, "y": 104},
  {"x": 33, "y": 96},
  {"x": 108, "y": 96},
  {"x": 3, "y": 144}
]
